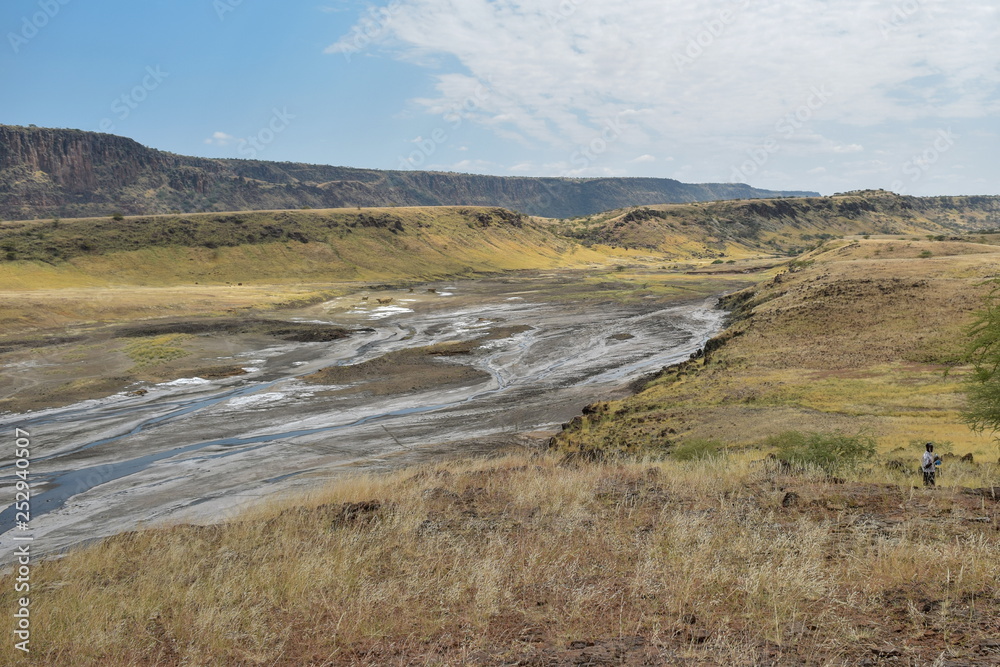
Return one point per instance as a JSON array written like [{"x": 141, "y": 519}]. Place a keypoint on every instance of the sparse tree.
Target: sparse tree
[{"x": 982, "y": 413}]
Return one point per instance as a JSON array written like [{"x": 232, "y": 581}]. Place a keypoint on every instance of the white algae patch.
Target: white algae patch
[{"x": 383, "y": 312}]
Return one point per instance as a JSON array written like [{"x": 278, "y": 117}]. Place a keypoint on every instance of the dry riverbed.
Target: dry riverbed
[{"x": 190, "y": 419}]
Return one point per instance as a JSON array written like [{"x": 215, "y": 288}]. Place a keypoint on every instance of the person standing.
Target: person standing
[{"x": 927, "y": 465}]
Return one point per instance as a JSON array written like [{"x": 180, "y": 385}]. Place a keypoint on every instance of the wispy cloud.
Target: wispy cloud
[{"x": 220, "y": 139}]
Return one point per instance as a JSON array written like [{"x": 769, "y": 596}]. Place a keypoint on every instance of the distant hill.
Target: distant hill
[
  {"x": 783, "y": 225},
  {"x": 72, "y": 173}
]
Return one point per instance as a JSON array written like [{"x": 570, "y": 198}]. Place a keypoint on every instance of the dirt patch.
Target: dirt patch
[
  {"x": 300, "y": 332},
  {"x": 218, "y": 372},
  {"x": 413, "y": 369},
  {"x": 46, "y": 395}
]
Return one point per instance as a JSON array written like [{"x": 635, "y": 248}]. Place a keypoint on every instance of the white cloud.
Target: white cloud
[
  {"x": 468, "y": 167},
  {"x": 644, "y": 158},
  {"x": 220, "y": 139},
  {"x": 701, "y": 81}
]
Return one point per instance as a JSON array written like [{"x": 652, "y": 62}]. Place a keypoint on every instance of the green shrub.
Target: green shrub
[
  {"x": 697, "y": 450},
  {"x": 926, "y": 253},
  {"x": 831, "y": 452}
]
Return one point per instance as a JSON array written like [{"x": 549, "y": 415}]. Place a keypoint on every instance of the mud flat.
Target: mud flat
[{"x": 451, "y": 368}]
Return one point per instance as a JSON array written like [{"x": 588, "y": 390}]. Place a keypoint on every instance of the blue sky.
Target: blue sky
[{"x": 804, "y": 94}]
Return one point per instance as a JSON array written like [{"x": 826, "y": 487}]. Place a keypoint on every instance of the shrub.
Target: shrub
[
  {"x": 831, "y": 452},
  {"x": 697, "y": 450},
  {"x": 926, "y": 253}
]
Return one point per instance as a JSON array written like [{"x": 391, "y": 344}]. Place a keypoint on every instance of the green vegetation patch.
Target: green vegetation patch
[
  {"x": 149, "y": 351},
  {"x": 698, "y": 450},
  {"x": 831, "y": 452}
]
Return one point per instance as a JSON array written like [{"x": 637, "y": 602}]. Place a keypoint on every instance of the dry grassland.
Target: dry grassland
[
  {"x": 862, "y": 336},
  {"x": 527, "y": 559}
]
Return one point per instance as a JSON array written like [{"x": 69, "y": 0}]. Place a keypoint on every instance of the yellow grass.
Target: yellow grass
[
  {"x": 847, "y": 342},
  {"x": 524, "y": 552},
  {"x": 436, "y": 242}
]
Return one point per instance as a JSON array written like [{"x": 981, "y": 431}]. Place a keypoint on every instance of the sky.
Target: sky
[{"x": 793, "y": 95}]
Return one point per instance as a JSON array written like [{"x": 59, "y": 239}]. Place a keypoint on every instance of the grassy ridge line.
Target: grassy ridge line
[
  {"x": 278, "y": 247},
  {"x": 784, "y": 226},
  {"x": 857, "y": 337}
]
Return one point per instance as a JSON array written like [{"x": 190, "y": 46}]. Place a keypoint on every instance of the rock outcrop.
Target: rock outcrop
[{"x": 71, "y": 173}]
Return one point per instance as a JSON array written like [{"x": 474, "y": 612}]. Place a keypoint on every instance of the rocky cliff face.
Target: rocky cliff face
[{"x": 72, "y": 173}]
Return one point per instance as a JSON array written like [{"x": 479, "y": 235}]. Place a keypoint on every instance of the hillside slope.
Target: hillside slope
[
  {"x": 72, "y": 173},
  {"x": 856, "y": 337},
  {"x": 783, "y": 225},
  {"x": 277, "y": 247}
]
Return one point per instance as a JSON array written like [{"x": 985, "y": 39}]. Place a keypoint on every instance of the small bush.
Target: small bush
[
  {"x": 718, "y": 261},
  {"x": 926, "y": 253},
  {"x": 697, "y": 450},
  {"x": 831, "y": 452}
]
